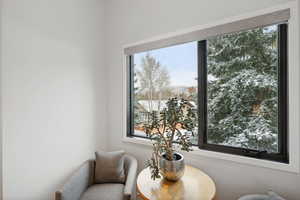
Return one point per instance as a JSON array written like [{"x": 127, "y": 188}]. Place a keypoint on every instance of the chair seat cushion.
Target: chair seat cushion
[{"x": 106, "y": 191}]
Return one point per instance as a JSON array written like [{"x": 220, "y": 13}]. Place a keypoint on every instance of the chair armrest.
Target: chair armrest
[
  {"x": 131, "y": 172},
  {"x": 77, "y": 184}
]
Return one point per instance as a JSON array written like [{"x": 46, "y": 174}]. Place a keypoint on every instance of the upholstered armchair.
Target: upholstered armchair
[
  {"x": 270, "y": 196},
  {"x": 81, "y": 185}
]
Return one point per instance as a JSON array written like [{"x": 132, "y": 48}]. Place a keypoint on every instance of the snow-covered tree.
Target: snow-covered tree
[
  {"x": 243, "y": 90},
  {"x": 153, "y": 78}
]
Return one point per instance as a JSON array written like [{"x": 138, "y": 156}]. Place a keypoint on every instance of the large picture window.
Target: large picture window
[{"x": 237, "y": 82}]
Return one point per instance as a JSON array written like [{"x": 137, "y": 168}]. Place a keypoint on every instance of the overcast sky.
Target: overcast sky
[{"x": 179, "y": 60}]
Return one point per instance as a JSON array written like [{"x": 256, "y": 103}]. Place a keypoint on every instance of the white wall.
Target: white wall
[
  {"x": 53, "y": 92},
  {"x": 129, "y": 21},
  {"x": 1, "y": 146}
]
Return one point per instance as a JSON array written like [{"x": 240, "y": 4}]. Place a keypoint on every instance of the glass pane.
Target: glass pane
[
  {"x": 242, "y": 91},
  {"x": 162, "y": 74}
]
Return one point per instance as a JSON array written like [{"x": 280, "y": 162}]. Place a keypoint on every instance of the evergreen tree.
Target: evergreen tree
[{"x": 242, "y": 89}]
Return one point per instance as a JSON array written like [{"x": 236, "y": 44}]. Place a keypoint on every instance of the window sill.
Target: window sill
[{"x": 291, "y": 167}]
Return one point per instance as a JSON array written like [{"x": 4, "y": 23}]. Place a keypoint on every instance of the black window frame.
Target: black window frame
[{"x": 281, "y": 156}]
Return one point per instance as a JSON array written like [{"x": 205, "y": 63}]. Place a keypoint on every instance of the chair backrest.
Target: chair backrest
[
  {"x": 128, "y": 161},
  {"x": 270, "y": 196},
  {"x": 92, "y": 164},
  {"x": 254, "y": 197}
]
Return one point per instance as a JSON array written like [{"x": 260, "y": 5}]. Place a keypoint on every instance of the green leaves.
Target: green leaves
[
  {"x": 174, "y": 124},
  {"x": 153, "y": 165}
]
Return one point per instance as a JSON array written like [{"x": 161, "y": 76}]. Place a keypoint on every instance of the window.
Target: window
[
  {"x": 237, "y": 81},
  {"x": 244, "y": 103},
  {"x": 159, "y": 75}
]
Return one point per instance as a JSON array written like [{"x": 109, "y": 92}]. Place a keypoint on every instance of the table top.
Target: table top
[{"x": 194, "y": 185}]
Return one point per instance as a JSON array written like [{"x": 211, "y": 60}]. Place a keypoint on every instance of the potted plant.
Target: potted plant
[{"x": 170, "y": 128}]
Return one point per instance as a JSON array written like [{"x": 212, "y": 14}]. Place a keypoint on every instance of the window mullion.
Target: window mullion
[
  {"x": 283, "y": 92},
  {"x": 130, "y": 95},
  {"x": 202, "y": 92}
]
